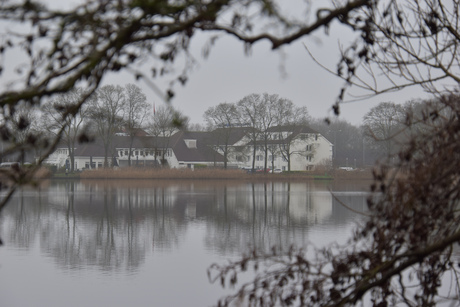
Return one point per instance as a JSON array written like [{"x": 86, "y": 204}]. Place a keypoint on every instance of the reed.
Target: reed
[
  {"x": 42, "y": 173},
  {"x": 139, "y": 173}
]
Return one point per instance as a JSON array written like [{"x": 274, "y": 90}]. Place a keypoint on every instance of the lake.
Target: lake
[{"x": 150, "y": 243}]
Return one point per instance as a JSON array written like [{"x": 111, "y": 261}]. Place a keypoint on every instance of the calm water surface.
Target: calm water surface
[{"x": 149, "y": 243}]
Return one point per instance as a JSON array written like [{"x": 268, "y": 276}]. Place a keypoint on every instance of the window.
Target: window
[
  {"x": 190, "y": 143},
  {"x": 136, "y": 153},
  {"x": 142, "y": 152},
  {"x": 126, "y": 152},
  {"x": 259, "y": 158}
]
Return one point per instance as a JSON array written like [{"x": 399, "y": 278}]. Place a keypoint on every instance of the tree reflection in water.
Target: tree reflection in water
[{"x": 113, "y": 226}]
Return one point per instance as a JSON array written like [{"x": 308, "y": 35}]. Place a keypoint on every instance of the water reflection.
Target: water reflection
[{"x": 113, "y": 225}]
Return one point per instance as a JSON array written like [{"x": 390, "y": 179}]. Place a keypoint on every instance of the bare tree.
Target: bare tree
[
  {"x": 196, "y": 127},
  {"x": 250, "y": 108},
  {"x": 222, "y": 120},
  {"x": 268, "y": 116},
  {"x": 384, "y": 124},
  {"x": 290, "y": 126},
  {"x": 165, "y": 122},
  {"x": 106, "y": 113},
  {"x": 401, "y": 44},
  {"x": 21, "y": 128},
  {"x": 135, "y": 111},
  {"x": 72, "y": 126}
]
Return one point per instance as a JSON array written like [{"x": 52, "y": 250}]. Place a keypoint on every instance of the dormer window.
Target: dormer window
[{"x": 190, "y": 143}]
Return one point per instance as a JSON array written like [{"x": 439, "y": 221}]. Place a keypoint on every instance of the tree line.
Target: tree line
[
  {"x": 115, "y": 109},
  {"x": 381, "y": 134},
  {"x": 109, "y": 111}
]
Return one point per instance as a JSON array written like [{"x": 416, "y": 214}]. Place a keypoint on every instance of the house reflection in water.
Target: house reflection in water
[{"x": 114, "y": 224}]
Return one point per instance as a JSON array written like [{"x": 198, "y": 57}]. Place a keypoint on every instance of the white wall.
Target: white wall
[{"x": 321, "y": 152}]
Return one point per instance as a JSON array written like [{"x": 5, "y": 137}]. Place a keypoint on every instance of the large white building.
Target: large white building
[
  {"x": 294, "y": 148},
  {"x": 298, "y": 148}
]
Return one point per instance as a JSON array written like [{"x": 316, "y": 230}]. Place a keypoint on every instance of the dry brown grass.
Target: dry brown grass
[
  {"x": 42, "y": 173},
  {"x": 139, "y": 173},
  {"x": 19, "y": 174}
]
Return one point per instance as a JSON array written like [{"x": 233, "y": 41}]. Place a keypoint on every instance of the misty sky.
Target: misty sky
[{"x": 228, "y": 75}]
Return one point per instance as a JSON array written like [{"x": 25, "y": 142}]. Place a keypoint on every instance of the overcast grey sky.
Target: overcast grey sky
[{"x": 228, "y": 75}]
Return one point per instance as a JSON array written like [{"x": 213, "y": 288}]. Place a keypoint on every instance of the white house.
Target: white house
[{"x": 298, "y": 146}]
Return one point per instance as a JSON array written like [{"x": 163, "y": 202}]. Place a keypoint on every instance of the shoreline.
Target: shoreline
[{"x": 209, "y": 174}]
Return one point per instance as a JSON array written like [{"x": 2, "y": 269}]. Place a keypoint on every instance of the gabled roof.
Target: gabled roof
[
  {"x": 91, "y": 149},
  {"x": 230, "y": 135},
  {"x": 141, "y": 142},
  {"x": 203, "y": 151}
]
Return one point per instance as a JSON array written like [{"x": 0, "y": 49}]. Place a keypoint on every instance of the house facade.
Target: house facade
[
  {"x": 284, "y": 148},
  {"x": 294, "y": 148},
  {"x": 142, "y": 151}
]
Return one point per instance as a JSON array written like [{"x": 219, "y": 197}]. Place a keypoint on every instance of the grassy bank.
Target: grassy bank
[
  {"x": 139, "y": 173},
  {"x": 211, "y": 174}
]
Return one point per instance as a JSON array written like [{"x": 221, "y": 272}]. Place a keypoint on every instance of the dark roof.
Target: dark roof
[
  {"x": 141, "y": 142},
  {"x": 91, "y": 149},
  {"x": 203, "y": 151},
  {"x": 228, "y": 135}
]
